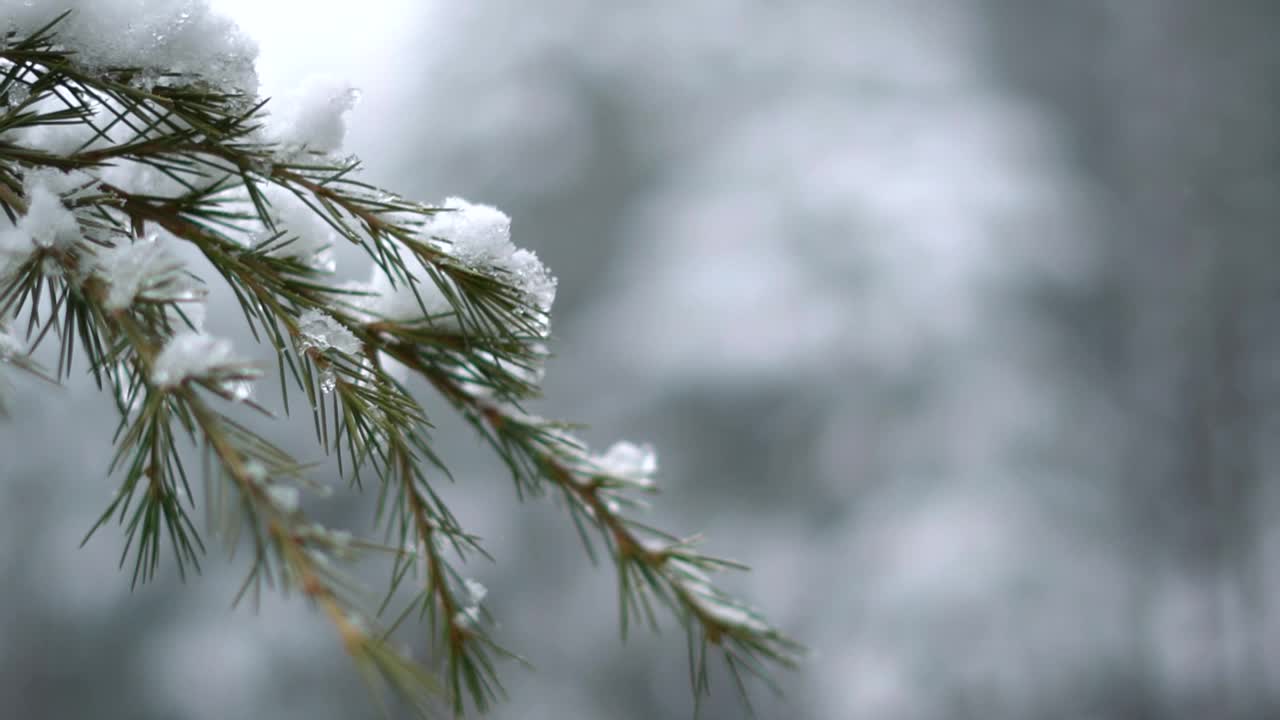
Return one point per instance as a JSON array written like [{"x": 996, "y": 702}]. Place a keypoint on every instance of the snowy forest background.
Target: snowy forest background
[{"x": 956, "y": 320}]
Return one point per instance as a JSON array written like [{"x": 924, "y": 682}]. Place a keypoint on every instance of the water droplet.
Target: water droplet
[
  {"x": 328, "y": 381},
  {"x": 240, "y": 390}
]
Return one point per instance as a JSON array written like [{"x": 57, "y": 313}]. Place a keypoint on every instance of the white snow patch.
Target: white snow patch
[
  {"x": 480, "y": 236},
  {"x": 193, "y": 355},
  {"x": 628, "y": 461},
  {"x": 173, "y": 36},
  {"x": 314, "y": 116},
  {"x": 319, "y": 330},
  {"x": 284, "y": 498},
  {"x": 57, "y": 138},
  {"x": 143, "y": 269},
  {"x": 15, "y": 248},
  {"x": 10, "y": 346},
  {"x": 310, "y": 238},
  {"x": 48, "y": 223},
  {"x": 476, "y": 592}
]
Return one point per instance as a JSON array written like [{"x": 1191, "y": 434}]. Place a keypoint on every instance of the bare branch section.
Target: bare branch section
[{"x": 106, "y": 173}]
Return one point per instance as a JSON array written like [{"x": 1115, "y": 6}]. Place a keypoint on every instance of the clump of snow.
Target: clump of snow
[
  {"x": 468, "y": 616},
  {"x": 48, "y": 222},
  {"x": 320, "y": 331},
  {"x": 477, "y": 234},
  {"x": 70, "y": 185},
  {"x": 15, "y": 248},
  {"x": 313, "y": 117},
  {"x": 480, "y": 236},
  {"x": 476, "y": 592},
  {"x": 170, "y": 36},
  {"x": 10, "y": 346},
  {"x": 712, "y": 603},
  {"x": 284, "y": 498},
  {"x": 144, "y": 269},
  {"x": 195, "y": 355},
  {"x": 61, "y": 138},
  {"x": 256, "y": 472},
  {"x": 635, "y": 464},
  {"x": 728, "y": 614},
  {"x": 308, "y": 237}
]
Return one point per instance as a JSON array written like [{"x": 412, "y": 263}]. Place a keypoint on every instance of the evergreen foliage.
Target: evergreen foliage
[{"x": 86, "y": 266}]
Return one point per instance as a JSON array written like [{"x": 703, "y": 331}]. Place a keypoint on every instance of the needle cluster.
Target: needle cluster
[{"x": 107, "y": 172}]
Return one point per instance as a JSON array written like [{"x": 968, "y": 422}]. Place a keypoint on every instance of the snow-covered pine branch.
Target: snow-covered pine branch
[{"x": 127, "y": 141}]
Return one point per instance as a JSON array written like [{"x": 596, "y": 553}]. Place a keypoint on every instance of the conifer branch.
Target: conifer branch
[{"x": 152, "y": 160}]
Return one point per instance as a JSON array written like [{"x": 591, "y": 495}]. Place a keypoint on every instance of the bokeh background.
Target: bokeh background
[{"x": 957, "y": 320}]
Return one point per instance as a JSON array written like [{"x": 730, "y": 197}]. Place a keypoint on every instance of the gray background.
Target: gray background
[{"x": 954, "y": 319}]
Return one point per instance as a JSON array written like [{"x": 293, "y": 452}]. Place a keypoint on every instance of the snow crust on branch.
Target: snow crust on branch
[
  {"x": 469, "y": 615},
  {"x": 313, "y": 117},
  {"x": 480, "y": 236},
  {"x": 196, "y": 355},
  {"x": 10, "y": 345},
  {"x": 144, "y": 269},
  {"x": 48, "y": 223},
  {"x": 169, "y": 36},
  {"x": 627, "y": 461},
  {"x": 311, "y": 239},
  {"x": 320, "y": 331}
]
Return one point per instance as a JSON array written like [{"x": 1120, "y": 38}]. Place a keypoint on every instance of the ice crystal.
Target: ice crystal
[
  {"x": 321, "y": 331},
  {"x": 328, "y": 380},
  {"x": 240, "y": 390}
]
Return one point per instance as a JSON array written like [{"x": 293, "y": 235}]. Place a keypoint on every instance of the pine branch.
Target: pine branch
[{"x": 151, "y": 159}]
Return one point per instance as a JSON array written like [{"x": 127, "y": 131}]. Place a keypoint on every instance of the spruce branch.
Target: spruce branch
[{"x": 106, "y": 171}]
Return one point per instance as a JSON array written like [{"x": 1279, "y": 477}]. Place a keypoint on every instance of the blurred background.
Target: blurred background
[{"x": 955, "y": 320}]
